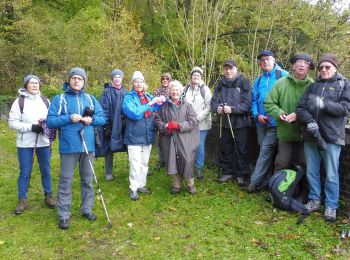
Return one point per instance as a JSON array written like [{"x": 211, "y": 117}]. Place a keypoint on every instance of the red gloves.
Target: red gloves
[{"x": 173, "y": 125}]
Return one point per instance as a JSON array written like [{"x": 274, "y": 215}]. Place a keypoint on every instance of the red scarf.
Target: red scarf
[{"x": 143, "y": 100}]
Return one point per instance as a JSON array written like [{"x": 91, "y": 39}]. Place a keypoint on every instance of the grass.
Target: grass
[{"x": 220, "y": 222}]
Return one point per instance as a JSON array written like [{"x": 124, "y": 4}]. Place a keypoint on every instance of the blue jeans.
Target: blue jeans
[
  {"x": 25, "y": 159},
  {"x": 201, "y": 149},
  {"x": 330, "y": 159},
  {"x": 267, "y": 139}
]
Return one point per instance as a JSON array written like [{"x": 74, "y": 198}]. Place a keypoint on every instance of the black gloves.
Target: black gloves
[
  {"x": 313, "y": 130},
  {"x": 108, "y": 131},
  {"x": 37, "y": 129},
  {"x": 88, "y": 112}
]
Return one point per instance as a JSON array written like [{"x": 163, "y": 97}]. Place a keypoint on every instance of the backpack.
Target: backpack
[
  {"x": 283, "y": 186},
  {"x": 278, "y": 76},
  {"x": 50, "y": 133}
]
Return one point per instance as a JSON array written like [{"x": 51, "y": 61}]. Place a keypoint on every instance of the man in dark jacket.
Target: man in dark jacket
[
  {"x": 232, "y": 101},
  {"x": 322, "y": 111},
  {"x": 112, "y": 133}
]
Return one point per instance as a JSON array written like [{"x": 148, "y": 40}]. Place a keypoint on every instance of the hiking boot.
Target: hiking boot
[
  {"x": 50, "y": 203},
  {"x": 64, "y": 224},
  {"x": 192, "y": 190},
  {"x": 144, "y": 190},
  {"x": 330, "y": 214},
  {"x": 175, "y": 190},
  {"x": 241, "y": 181},
  {"x": 89, "y": 216},
  {"x": 225, "y": 178},
  {"x": 251, "y": 188},
  {"x": 199, "y": 173},
  {"x": 22, "y": 205},
  {"x": 134, "y": 195},
  {"x": 313, "y": 205},
  {"x": 109, "y": 177}
]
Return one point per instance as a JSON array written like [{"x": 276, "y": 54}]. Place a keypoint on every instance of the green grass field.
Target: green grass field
[{"x": 220, "y": 222}]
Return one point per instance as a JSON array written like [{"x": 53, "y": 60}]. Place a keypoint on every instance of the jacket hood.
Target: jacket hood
[
  {"x": 109, "y": 85},
  {"x": 273, "y": 71},
  {"x": 25, "y": 93},
  {"x": 308, "y": 79},
  {"x": 230, "y": 83},
  {"x": 67, "y": 89}
]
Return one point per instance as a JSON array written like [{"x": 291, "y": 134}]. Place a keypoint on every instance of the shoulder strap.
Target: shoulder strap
[
  {"x": 21, "y": 103},
  {"x": 278, "y": 74},
  {"x": 202, "y": 90},
  {"x": 341, "y": 88},
  {"x": 45, "y": 100},
  {"x": 259, "y": 80},
  {"x": 91, "y": 103}
]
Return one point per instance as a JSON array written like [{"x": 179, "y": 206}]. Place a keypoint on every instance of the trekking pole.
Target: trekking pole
[
  {"x": 93, "y": 172},
  {"x": 234, "y": 140},
  {"x": 176, "y": 154},
  {"x": 220, "y": 125}
]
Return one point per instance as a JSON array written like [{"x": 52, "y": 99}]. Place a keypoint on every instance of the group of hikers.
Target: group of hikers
[{"x": 299, "y": 121}]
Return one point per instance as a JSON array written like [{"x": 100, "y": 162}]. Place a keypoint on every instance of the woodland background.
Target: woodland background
[{"x": 49, "y": 37}]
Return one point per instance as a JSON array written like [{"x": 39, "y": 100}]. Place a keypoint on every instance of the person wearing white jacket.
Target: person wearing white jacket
[
  {"x": 26, "y": 117},
  {"x": 198, "y": 95}
]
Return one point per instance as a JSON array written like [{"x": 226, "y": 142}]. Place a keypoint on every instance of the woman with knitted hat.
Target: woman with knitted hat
[
  {"x": 138, "y": 106},
  {"x": 26, "y": 116},
  {"x": 198, "y": 94}
]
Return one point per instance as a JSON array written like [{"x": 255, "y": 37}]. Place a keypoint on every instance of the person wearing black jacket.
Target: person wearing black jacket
[
  {"x": 322, "y": 112},
  {"x": 232, "y": 102}
]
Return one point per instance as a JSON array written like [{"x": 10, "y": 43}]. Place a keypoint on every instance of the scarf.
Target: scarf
[{"x": 143, "y": 100}]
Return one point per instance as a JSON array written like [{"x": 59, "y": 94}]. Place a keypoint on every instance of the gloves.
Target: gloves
[
  {"x": 88, "y": 112},
  {"x": 37, "y": 129},
  {"x": 312, "y": 129},
  {"x": 108, "y": 131},
  {"x": 321, "y": 143},
  {"x": 173, "y": 125}
]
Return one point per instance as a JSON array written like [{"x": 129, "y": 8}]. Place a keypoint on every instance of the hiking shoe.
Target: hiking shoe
[
  {"x": 313, "y": 205},
  {"x": 192, "y": 190},
  {"x": 144, "y": 190},
  {"x": 50, "y": 203},
  {"x": 251, "y": 188},
  {"x": 134, "y": 195},
  {"x": 175, "y": 190},
  {"x": 199, "y": 173},
  {"x": 64, "y": 224},
  {"x": 330, "y": 214},
  {"x": 225, "y": 178},
  {"x": 22, "y": 205},
  {"x": 109, "y": 177},
  {"x": 241, "y": 181},
  {"x": 89, "y": 216}
]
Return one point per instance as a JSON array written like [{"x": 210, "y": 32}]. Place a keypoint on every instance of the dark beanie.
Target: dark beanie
[
  {"x": 330, "y": 57},
  {"x": 302, "y": 56},
  {"x": 117, "y": 72},
  {"x": 77, "y": 71}
]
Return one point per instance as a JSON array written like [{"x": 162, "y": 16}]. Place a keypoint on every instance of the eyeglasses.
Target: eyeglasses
[
  {"x": 165, "y": 78},
  {"x": 265, "y": 59},
  {"x": 302, "y": 62},
  {"x": 320, "y": 68},
  {"x": 77, "y": 78}
]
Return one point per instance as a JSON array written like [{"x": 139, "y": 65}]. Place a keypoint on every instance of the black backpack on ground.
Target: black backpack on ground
[{"x": 284, "y": 188}]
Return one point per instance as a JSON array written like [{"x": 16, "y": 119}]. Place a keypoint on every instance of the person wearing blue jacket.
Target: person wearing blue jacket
[
  {"x": 111, "y": 135},
  {"x": 72, "y": 112},
  {"x": 265, "y": 124},
  {"x": 138, "y": 106}
]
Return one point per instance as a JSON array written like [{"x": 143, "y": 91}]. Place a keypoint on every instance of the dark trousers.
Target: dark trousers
[
  {"x": 233, "y": 153},
  {"x": 288, "y": 151}
]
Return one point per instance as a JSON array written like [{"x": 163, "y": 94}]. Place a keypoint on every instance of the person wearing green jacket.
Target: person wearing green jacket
[{"x": 281, "y": 103}]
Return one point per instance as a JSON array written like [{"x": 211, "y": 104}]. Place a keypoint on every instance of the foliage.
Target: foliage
[{"x": 220, "y": 222}]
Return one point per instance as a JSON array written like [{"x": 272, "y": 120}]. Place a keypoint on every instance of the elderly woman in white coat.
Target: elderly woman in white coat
[
  {"x": 27, "y": 115},
  {"x": 198, "y": 95}
]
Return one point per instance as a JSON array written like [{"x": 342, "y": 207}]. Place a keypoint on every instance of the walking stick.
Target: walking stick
[
  {"x": 93, "y": 172},
  {"x": 234, "y": 140}
]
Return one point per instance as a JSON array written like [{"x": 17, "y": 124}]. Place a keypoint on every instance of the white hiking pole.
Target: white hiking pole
[{"x": 93, "y": 172}]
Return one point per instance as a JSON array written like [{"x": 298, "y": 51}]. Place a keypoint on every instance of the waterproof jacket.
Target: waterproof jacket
[
  {"x": 237, "y": 94},
  {"x": 262, "y": 86},
  {"x": 283, "y": 98},
  {"x": 34, "y": 109},
  {"x": 139, "y": 130},
  {"x": 331, "y": 120},
  {"x": 111, "y": 101},
  {"x": 201, "y": 105},
  {"x": 184, "y": 142},
  {"x": 59, "y": 116}
]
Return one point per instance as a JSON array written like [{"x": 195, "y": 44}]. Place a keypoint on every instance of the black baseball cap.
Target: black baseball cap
[{"x": 265, "y": 53}]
